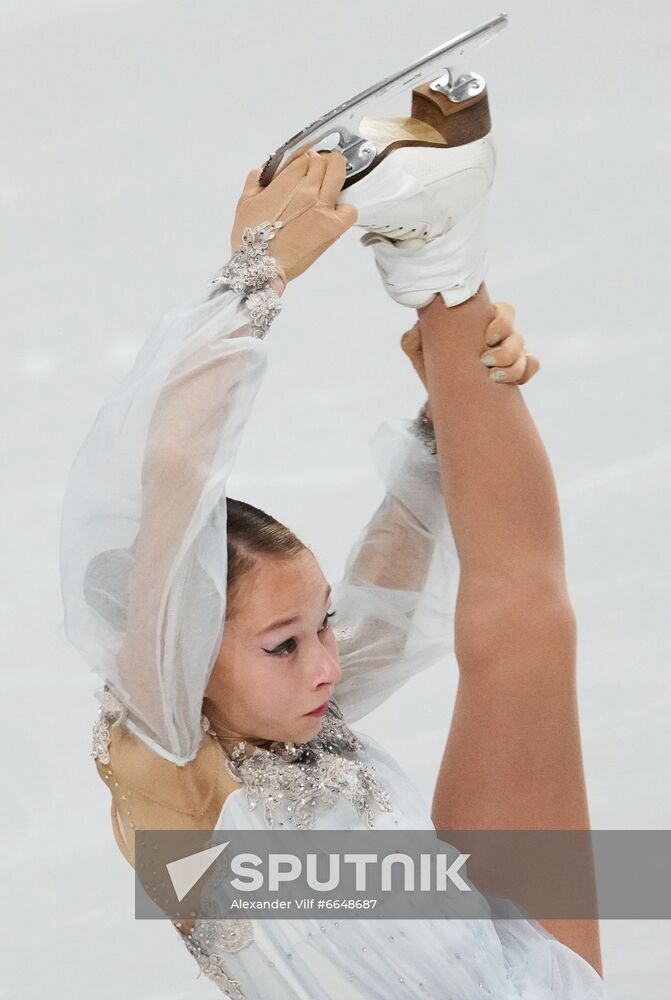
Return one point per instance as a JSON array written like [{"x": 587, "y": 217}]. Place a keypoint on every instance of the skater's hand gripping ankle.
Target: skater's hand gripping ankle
[
  {"x": 505, "y": 348},
  {"x": 303, "y": 196},
  {"x": 505, "y": 355}
]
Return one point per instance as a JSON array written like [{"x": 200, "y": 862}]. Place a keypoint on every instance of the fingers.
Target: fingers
[
  {"x": 411, "y": 340},
  {"x": 252, "y": 185},
  {"x": 502, "y": 324},
  {"x": 411, "y": 343},
  {"x": 512, "y": 373},
  {"x": 508, "y": 362},
  {"x": 533, "y": 365},
  {"x": 334, "y": 176},
  {"x": 348, "y": 214},
  {"x": 304, "y": 193},
  {"x": 507, "y": 351},
  {"x": 520, "y": 371},
  {"x": 316, "y": 169},
  {"x": 284, "y": 182}
]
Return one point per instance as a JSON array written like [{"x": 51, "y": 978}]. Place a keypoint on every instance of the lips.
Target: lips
[{"x": 321, "y": 710}]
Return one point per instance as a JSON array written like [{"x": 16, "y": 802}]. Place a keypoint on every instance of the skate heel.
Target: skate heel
[
  {"x": 456, "y": 121},
  {"x": 445, "y": 112}
]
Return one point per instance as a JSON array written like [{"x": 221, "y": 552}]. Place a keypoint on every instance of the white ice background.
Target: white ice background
[{"x": 127, "y": 128}]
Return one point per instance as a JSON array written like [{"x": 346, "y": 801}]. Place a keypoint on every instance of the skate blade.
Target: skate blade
[{"x": 340, "y": 128}]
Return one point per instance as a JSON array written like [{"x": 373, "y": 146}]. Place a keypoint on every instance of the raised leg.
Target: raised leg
[{"x": 513, "y": 756}]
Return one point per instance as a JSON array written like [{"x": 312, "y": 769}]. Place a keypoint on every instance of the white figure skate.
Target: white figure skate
[
  {"x": 422, "y": 207},
  {"x": 424, "y": 210}
]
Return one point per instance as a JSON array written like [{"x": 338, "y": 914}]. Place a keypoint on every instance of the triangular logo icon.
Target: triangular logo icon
[{"x": 185, "y": 872}]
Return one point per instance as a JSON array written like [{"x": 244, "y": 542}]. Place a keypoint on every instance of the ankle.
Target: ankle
[{"x": 462, "y": 314}]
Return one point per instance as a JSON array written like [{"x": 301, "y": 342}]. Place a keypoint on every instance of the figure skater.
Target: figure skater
[{"x": 227, "y": 678}]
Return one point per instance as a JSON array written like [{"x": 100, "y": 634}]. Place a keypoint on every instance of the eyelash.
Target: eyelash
[{"x": 280, "y": 651}]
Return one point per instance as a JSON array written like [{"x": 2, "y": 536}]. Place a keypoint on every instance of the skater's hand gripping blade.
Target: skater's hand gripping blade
[{"x": 339, "y": 128}]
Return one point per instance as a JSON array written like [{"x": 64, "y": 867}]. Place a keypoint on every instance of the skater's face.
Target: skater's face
[{"x": 269, "y": 675}]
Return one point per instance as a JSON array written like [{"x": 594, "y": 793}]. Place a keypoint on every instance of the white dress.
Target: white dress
[
  {"x": 383, "y": 959},
  {"x": 143, "y": 570}
]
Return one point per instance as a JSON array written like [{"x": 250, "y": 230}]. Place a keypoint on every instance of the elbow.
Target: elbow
[{"x": 172, "y": 462}]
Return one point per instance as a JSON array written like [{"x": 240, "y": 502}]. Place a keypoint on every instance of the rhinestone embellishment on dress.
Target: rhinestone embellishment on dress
[
  {"x": 263, "y": 306},
  {"x": 111, "y": 712},
  {"x": 208, "y": 938},
  {"x": 250, "y": 267},
  {"x": 250, "y": 271},
  {"x": 291, "y": 780}
]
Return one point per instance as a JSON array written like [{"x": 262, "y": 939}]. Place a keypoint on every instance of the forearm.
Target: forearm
[
  {"x": 143, "y": 567},
  {"x": 189, "y": 447},
  {"x": 394, "y": 597},
  {"x": 395, "y": 552},
  {"x": 186, "y": 429}
]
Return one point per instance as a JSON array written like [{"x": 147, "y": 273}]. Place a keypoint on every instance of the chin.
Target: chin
[
  {"x": 311, "y": 727},
  {"x": 301, "y": 730}
]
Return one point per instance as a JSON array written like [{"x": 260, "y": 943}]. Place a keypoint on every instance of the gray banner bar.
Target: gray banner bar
[{"x": 523, "y": 874}]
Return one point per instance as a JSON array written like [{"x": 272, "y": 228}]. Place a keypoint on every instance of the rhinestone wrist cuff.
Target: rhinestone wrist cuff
[
  {"x": 250, "y": 271},
  {"x": 422, "y": 428}
]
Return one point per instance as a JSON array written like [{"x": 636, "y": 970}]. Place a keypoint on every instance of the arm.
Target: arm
[
  {"x": 395, "y": 602},
  {"x": 143, "y": 533},
  {"x": 144, "y": 519}
]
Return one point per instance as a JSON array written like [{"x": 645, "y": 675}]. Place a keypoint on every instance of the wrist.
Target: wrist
[
  {"x": 253, "y": 273},
  {"x": 422, "y": 428}
]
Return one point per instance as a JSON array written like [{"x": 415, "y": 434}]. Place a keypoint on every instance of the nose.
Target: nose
[{"x": 327, "y": 668}]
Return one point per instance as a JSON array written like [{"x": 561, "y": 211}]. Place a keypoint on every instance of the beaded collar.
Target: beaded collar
[{"x": 291, "y": 780}]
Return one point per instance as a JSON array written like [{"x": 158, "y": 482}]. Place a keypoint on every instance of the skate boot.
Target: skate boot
[
  {"x": 423, "y": 207},
  {"x": 418, "y": 183}
]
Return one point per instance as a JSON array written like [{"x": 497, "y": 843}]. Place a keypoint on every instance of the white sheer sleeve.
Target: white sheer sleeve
[
  {"x": 395, "y": 604},
  {"x": 143, "y": 532}
]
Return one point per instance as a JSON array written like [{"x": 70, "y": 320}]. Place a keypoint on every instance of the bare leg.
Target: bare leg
[{"x": 513, "y": 756}]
